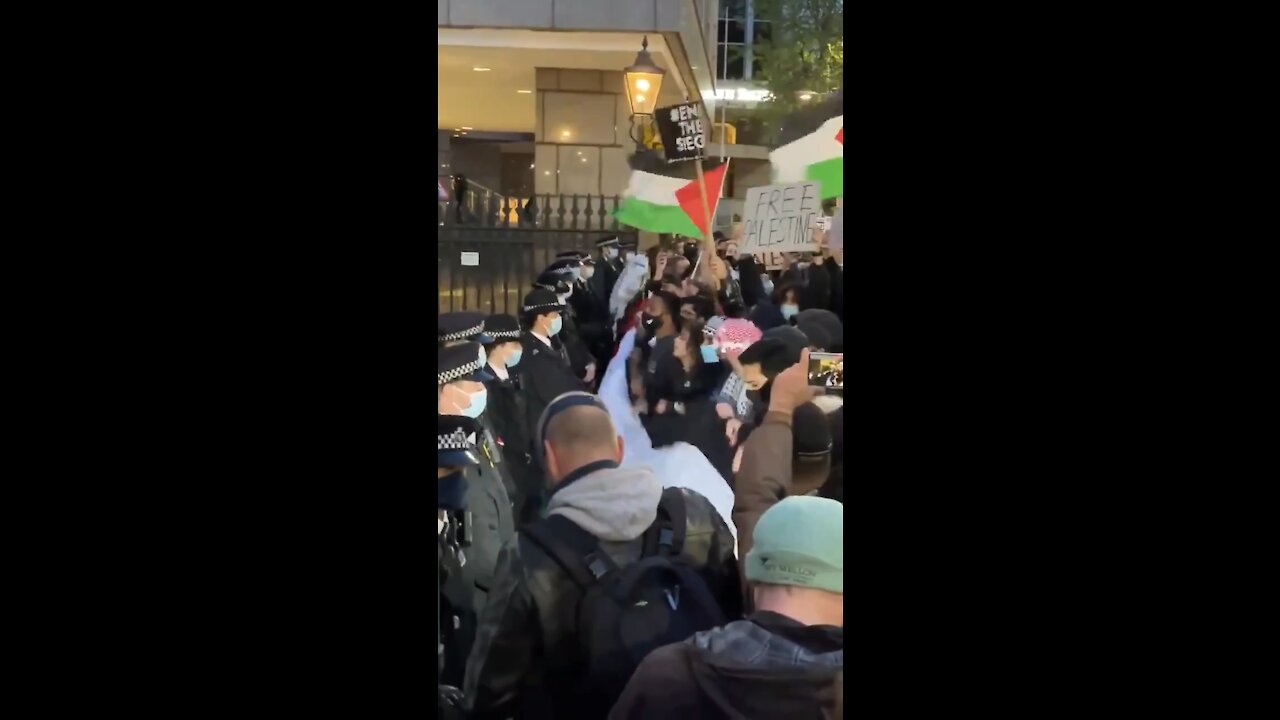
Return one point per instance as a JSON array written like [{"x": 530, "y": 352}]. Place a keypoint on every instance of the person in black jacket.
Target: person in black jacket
[
  {"x": 527, "y": 661},
  {"x": 559, "y": 278},
  {"x": 544, "y": 367},
  {"x": 608, "y": 268},
  {"x": 591, "y": 314},
  {"x": 456, "y": 328},
  {"x": 487, "y": 515},
  {"x": 510, "y": 415},
  {"x": 784, "y": 660}
]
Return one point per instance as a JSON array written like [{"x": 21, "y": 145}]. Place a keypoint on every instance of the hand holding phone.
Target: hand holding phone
[{"x": 826, "y": 370}]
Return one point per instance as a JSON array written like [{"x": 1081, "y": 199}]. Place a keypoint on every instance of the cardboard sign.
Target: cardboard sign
[
  {"x": 683, "y": 132},
  {"x": 780, "y": 218},
  {"x": 769, "y": 261}
]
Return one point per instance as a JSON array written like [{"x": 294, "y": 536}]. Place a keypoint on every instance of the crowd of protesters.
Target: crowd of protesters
[{"x": 641, "y": 490}]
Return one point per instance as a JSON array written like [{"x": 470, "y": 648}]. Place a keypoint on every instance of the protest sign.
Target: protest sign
[
  {"x": 683, "y": 132},
  {"x": 780, "y": 218},
  {"x": 768, "y": 261}
]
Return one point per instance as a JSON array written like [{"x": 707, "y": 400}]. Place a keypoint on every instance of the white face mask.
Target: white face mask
[
  {"x": 611, "y": 253},
  {"x": 577, "y": 274}
]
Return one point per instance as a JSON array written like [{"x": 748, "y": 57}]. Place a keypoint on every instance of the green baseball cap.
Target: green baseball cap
[{"x": 800, "y": 542}]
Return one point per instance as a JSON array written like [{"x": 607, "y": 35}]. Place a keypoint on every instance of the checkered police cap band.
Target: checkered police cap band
[
  {"x": 543, "y": 306},
  {"x": 504, "y": 334},
  {"x": 456, "y": 440},
  {"x": 450, "y": 375},
  {"x": 464, "y": 334}
]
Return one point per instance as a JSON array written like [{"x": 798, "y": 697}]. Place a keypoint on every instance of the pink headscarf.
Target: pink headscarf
[{"x": 735, "y": 335}]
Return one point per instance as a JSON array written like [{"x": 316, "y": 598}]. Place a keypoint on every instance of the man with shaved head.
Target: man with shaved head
[{"x": 532, "y": 657}]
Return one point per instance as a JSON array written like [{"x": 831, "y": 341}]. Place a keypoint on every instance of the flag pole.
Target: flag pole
[{"x": 708, "y": 245}]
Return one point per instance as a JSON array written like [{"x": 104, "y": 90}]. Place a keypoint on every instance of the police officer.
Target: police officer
[
  {"x": 508, "y": 413},
  {"x": 460, "y": 391},
  {"x": 591, "y": 315},
  {"x": 456, "y": 450},
  {"x": 460, "y": 327},
  {"x": 558, "y": 278},
  {"x": 545, "y": 372},
  {"x": 608, "y": 267}
]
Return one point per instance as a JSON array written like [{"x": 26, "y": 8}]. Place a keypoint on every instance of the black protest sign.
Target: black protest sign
[{"x": 683, "y": 131}]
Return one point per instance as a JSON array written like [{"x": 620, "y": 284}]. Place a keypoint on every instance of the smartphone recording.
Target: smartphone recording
[{"x": 826, "y": 370}]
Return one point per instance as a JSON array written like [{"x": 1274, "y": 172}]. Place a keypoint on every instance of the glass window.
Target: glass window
[
  {"x": 578, "y": 118},
  {"x": 579, "y": 170},
  {"x": 733, "y": 69},
  {"x": 761, "y": 31},
  {"x": 737, "y": 31}
]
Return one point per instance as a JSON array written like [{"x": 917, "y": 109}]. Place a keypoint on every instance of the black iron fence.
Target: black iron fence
[{"x": 488, "y": 262}]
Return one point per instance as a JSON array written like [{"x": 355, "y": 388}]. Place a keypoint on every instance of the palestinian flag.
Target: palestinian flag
[
  {"x": 662, "y": 204},
  {"x": 817, "y": 156}
]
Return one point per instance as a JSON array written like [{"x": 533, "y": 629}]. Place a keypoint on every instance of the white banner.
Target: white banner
[{"x": 680, "y": 465}]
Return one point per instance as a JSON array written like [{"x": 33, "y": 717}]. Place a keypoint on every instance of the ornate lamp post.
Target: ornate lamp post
[{"x": 643, "y": 79}]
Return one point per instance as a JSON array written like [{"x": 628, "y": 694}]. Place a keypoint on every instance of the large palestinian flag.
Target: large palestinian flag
[
  {"x": 817, "y": 156},
  {"x": 662, "y": 204}
]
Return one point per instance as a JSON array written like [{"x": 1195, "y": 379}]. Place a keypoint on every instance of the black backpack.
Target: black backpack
[{"x": 627, "y": 612}]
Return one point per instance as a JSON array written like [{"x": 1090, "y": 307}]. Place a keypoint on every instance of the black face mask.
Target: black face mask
[
  {"x": 650, "y": 322},
  {"x": 732, "y": 262}
]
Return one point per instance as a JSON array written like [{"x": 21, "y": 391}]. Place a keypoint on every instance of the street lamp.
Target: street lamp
[{"x": 644, "y": 80}]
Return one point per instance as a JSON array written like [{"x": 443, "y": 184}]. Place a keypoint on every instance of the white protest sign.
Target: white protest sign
[
  {"x": 471, "y": 259},
  {"x": 780, "y": 218}
]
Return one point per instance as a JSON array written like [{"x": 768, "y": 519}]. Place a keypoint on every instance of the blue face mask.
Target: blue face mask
[
  {"x": 514, "y": 359},
  {"x": 478, "y": 401},
  {"x": 789, "y": 311},
  {"x": 556, "y": 325},
  {"x": 709, "y": 354}
]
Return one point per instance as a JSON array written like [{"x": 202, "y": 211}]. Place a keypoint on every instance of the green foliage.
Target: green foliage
[{"x": 803, "y": 52}]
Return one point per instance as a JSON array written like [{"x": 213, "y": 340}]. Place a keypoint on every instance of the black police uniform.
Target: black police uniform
[
  {"x": 508, "y": 412},
  {"x": 545, "y": 372},
  {"x": 568, "y": 341},
  {"x": 487, "y": 505},
  {"x": 608, "y": 270},
  {"x": 468, "y": 326},
  {"x": 455, "y": 450}
]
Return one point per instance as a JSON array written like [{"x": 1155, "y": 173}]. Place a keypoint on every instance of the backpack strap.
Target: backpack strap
[
  {"x": 575, "y": 550},
  {"x": 667, "y": 534}
]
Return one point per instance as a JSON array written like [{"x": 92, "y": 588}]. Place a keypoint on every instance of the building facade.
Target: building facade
[{"x": 530, "y": 92}]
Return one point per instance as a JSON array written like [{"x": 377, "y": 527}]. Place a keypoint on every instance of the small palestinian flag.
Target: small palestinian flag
[
  {"x": 662, "y": 204},
  {"x": 817, "y": 156}
]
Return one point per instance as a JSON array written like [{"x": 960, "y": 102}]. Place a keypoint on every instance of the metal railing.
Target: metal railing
[{"x": 489, "y": 209}]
